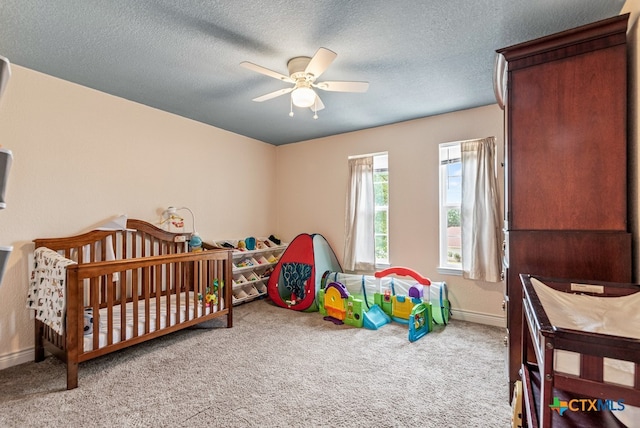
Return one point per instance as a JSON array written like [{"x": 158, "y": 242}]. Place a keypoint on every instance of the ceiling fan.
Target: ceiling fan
[{"x": 303, "y": 72}]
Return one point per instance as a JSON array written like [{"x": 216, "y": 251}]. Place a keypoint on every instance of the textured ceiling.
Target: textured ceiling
[{"x": 421, "y": 57}]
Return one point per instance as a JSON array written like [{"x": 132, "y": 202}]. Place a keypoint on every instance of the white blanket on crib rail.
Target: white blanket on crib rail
[
  {"x": 47, "y": 288},
  {"x": 616, "y": 316}
]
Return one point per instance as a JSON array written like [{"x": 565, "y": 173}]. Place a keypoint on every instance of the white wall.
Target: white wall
[
  {"x": 82, "y": 157},
  {"x": 312, "y": 183}
]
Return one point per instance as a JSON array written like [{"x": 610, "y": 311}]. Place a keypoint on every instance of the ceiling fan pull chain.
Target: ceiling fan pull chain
[
  {"x": 315, "y": 109},
  {"x": 291, "y": 107}
]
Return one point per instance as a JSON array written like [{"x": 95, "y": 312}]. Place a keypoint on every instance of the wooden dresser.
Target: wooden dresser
[{"x": 565, "y": 162}]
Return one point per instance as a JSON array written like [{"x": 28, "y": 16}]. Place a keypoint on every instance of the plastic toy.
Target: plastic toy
[
  {"x": 339, "y": 307},
  {"x": 441, "y": 306},
  {"x": 211, "y": 299},
  {"x": 351, "y": 305},
  {"x": 420, "y": 321},
  {"x": 417, "y": 291},
  {"x": 334, "y": 301},
  {"x": 375, "y": 318},
  {"x": 250, "y": 243},
  {"x": 410, "y": 309},
  {"x": 211, "y": 294}
]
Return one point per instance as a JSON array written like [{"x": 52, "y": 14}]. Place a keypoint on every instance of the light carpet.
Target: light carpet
[{"x": 274, "y": 368}]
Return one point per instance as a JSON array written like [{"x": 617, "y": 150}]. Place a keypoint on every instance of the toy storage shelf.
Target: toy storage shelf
[{"x": 251, "y": 269}]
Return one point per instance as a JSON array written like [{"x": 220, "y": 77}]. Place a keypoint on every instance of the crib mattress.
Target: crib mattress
[
  {"x": 176, "y": 315},
  {"x": 616, "y": 316}
]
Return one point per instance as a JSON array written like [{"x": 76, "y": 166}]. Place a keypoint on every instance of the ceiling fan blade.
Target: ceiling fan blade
[
  {"x": 5, "y": 73},
  {"x": 342, "y": 86},
  {"x": 320, "y": 61},
  {"x": 262, "y": 70},
  {"x": 273, "y": 94},
  {"x": 318, "y": 105}
]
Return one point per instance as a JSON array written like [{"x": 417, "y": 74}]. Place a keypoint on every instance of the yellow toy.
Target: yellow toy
[
  {"x": 339, "y": 307},
  {"x": 211, "y": 299},
  {"x": 211, "y": 296}
]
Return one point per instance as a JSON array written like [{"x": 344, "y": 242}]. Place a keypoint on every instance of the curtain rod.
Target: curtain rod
[{"x": 367, "y": 155}]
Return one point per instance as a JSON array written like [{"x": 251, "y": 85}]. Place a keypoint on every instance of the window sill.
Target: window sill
[{"x": 449, "y": 271}]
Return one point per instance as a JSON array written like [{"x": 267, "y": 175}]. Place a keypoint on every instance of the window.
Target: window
[
  {"x": 381, "y": 192},
  {"x": 367, "y": 214},
  {"x": 450, "y": 200}
]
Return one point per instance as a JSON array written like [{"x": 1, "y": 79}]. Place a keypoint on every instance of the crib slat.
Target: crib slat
[
  {"x": 143, "y": 247},
  {"x": 176, "y": 278},
  {"x": 185, "y": 285},
  {"x": 158, "y": 291},
  {"x": 202, "y": 289},
  {"x": 146, "y": 280},
  {"x": 194, "y": 286},
  {"x": 95, "y": 305},
  {"x": 123, "y": 304},
  {"x": 132, "y": 244},
  {"x": 166, "y": 280},
  {"x": 214, "y": 276},
  {"x": 108, "y": 283},
  {"x": 103, "y": 249},
  {"x": 135, "y": 294}
]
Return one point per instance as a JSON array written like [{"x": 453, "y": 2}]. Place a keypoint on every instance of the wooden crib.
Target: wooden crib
[
  {"x": 570, "y": 369},
  {"x": 136, "y": 284}
]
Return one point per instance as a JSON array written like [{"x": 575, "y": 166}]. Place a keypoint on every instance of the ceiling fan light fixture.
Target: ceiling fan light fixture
[
  {"x": 303, "y": 74},
  {"x": 303, "y": 97}
]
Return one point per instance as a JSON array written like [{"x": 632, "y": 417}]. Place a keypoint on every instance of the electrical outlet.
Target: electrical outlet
[
  {"x": 587, "y": 288},
  {"x": 180, "y": 238}
]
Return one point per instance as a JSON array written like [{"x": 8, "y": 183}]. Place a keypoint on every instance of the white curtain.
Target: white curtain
[
  {"x": 480, "y": 207},
  {"x": 359, "y": 250}
]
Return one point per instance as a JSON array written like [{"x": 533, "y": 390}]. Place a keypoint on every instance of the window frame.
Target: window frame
[
  {"x": 381, "y": 164},
  {"x": 446, "y": 158}
]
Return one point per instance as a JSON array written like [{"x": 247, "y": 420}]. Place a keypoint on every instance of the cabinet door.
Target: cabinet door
[{"x": 567, "y": 143}]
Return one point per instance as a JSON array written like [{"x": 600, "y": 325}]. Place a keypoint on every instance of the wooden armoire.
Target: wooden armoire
[{"x": 565, "y": 162}]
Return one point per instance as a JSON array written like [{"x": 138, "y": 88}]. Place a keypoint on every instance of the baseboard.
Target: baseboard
[
  {"x": 478, "y": 317},
  {"x": 15, "y": 358}
]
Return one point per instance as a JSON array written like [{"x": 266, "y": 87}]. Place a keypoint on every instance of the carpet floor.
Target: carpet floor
[{"x": 274, "y": 368}]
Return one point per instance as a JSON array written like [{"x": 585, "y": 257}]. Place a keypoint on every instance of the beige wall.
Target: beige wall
[
  {"x": 312, "y": 182},
  {"x": 82, "y": 157}
]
